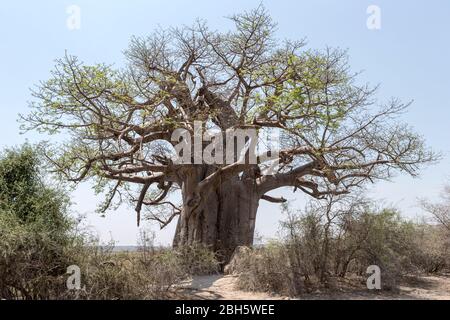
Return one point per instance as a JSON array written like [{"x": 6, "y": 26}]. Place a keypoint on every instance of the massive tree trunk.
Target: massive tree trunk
[{"x": 225, "y": 217}]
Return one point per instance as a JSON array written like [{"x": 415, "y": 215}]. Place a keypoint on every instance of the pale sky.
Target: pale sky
[{"x": 408, "y": 56}]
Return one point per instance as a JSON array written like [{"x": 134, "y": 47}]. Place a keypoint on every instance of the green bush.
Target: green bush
[{"x": 34, "y": 229}]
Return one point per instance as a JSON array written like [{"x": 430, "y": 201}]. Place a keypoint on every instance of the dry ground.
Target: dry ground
[{"x": 224, "y": 287}]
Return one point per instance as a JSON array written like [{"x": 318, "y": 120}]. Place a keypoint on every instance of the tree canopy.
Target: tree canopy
[{"x": 335, "y": 135}]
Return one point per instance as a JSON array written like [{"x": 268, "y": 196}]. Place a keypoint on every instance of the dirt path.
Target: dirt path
[
  {"x": 224, "y": 288},
  {"x": 431, "y": 287}
]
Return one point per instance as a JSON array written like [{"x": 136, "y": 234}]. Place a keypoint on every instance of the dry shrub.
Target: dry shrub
[
  {"x": 433, "y": 244},
  {"x": 263, "y": 269},
  {"x": 32, "y": 267},
  {"x": 150, "y": 273},
  {"x": 32, "y": 261},
  {"x": 327, "y": 243},
  {"x": 197, "y": 259},
  {"x": 108, "y": 276},
  {"x": 33, "y": 264}
]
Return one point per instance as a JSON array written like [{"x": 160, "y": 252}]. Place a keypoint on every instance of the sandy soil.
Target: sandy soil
[
  {"x": 224, "y": 287},
  {"x": 221, "y": 287}
]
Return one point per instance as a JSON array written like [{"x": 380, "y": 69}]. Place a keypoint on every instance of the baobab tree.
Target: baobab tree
[{"x": 335, "y": 136}]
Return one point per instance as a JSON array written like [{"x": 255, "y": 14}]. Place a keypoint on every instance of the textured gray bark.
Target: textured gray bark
[{"x": 224, "y": 220}]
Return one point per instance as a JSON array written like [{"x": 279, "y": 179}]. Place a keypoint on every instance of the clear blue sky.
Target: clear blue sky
[{"x": 408, "y": 56}]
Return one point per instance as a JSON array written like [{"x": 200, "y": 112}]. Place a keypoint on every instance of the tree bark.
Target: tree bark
[{"x": 224, "y": 219}]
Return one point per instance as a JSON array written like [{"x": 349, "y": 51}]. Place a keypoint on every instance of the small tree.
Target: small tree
[
  {"x": 440, "y": 211},
  {"x": 122, "y": 124}
]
